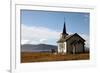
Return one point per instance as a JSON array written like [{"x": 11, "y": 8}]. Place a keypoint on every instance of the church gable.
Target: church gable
[
  {"x": 75, "y": 37},
  {"x": 76, "y": 42}
]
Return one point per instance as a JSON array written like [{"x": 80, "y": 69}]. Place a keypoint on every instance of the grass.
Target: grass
[{"x": 27, "y": 57}]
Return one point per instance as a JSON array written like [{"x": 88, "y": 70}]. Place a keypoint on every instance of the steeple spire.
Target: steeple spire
[{"x": 64, "y": 28}]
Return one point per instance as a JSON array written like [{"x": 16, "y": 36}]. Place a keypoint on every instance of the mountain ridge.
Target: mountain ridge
[{"x": 37, "y": 47}]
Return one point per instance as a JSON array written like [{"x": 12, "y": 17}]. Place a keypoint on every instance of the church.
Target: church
[{"x": 70, "y": 43}]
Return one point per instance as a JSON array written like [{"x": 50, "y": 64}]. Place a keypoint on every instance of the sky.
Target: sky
[{"x": 45, "y": 26}]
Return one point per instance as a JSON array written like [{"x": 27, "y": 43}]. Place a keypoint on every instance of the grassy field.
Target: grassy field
[{"x": 44, "y": 57}]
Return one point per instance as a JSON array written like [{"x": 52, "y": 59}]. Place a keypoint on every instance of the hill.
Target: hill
[{"x": 37, "y": 48}]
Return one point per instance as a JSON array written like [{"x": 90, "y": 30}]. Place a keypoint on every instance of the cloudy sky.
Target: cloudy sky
[{"x": 45, "y": 26}]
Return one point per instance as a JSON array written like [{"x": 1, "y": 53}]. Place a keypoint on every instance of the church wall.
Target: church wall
[
  {"x": 79, "y": 47},
  {"x": 62, "y": 47},
  {"x": 69, "y": 47},
  {"x": 65, "y": 49},
  {"x": 59, "y": 50}
]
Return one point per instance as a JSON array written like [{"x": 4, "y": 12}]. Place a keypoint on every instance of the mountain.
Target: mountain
[{"x": 37, "y": 48}]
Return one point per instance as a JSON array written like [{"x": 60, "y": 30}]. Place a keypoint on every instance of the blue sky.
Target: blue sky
[{"x": 75, "y": 22}]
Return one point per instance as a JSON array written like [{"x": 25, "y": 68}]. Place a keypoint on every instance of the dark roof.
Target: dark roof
[
  {"x": 64, "y": 29},
  {"x": 68, "y": 37}
]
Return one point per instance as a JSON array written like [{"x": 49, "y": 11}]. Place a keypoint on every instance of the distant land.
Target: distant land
[
  {"x": 40, "y": 48},
  {"x": 37, "y": 48}
]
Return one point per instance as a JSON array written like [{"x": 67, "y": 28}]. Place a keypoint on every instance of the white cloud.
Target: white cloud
[
  {"x": 36, "y": 35},
  {"x": 43, "y": 40},
  {"x": 24, "y": 41}
]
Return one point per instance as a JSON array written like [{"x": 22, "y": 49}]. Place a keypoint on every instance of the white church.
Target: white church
[{"x": 70, "y": 44}]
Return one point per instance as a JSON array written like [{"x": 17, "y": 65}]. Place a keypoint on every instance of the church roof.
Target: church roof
[
  {"x": 68, "y": 37},
  {"x": 64, "y": 28}
]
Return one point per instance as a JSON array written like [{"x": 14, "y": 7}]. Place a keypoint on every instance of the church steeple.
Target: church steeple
[
  {"x": 64, "y": 34},
  {"x": 64, "y": 28}
]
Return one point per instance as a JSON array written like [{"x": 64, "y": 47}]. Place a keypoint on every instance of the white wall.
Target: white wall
[
  {"x": 65, "y": 47},
  {"x": 62, "y": 49},
  {"x": 5, "y": 37}
]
